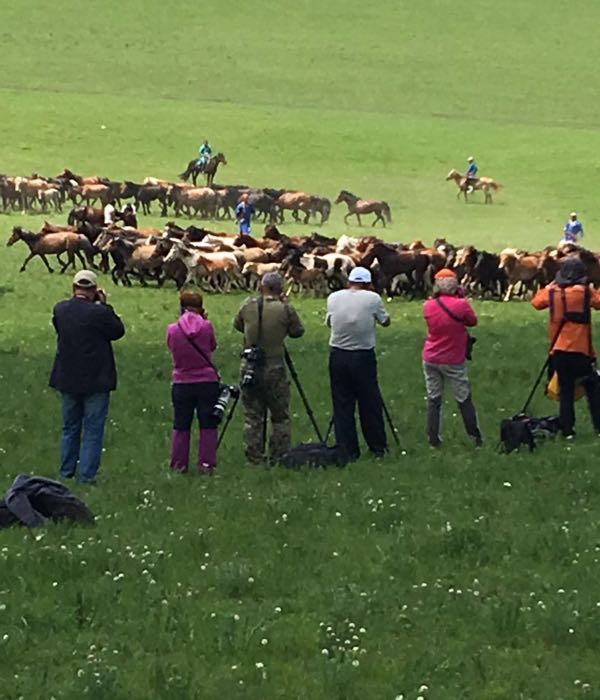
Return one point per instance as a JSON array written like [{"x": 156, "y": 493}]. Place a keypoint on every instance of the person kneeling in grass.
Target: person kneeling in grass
[
  {"x": 195, "y": 388},
  {"x": 448, "y": 315}
]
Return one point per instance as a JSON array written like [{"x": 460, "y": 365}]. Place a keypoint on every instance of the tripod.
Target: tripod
[
  {"x": 388, "y": 418},
  {"x": 307, "y": 407}
]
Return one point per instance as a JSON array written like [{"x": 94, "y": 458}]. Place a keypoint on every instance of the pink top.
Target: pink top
[
  {"x": 446, "y": 342},
  {"x": 189, "y": 367}
]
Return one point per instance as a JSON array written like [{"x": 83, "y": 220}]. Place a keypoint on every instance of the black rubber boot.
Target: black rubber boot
[
  {"x": 469, "y": 416},
  {"x": 434, "y": 419}
]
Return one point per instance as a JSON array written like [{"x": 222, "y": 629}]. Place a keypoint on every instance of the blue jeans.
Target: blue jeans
[{"x": 88, "y": 411}]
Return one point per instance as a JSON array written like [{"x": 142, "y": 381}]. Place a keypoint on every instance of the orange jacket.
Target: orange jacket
[{"x": 574, "y": 337}]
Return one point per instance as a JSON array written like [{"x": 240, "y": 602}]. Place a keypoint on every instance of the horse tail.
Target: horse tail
[
  {"x": 188, "y": 171},
  {"x": 71, "y": 217},
  {"x": 387, "y": 212}
]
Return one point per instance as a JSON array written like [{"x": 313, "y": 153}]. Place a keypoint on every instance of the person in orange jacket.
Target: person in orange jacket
[{"x": 570, "y": 300}]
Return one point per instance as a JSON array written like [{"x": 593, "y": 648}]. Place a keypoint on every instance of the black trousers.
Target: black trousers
[
  {"x": 194, "y": 398},
  {"x": 572, "y": 367},
  {"x": 353, "y": 376}
]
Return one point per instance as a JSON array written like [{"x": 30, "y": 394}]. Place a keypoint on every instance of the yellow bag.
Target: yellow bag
[{"x": 553, "y": 389}]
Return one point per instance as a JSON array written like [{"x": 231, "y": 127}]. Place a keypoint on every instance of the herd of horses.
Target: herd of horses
[
  {"x": 314, "y": 263},
  {"x": 44, "y": 194}
]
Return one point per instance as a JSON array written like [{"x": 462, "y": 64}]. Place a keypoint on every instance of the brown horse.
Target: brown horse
[
  {"x": 91, "y": 180},
  {"x": 210, "y": 169},
  {"x": 393, "y": 262},
  {"x": 43, "y": 244},
  {"x": 295, "y": 202},
  {"x": 357, "y": 206},
  {"x": 485, "y": 184}
]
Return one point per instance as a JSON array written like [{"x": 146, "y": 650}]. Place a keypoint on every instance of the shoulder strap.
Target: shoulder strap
[
  {"x": 452, "y": 315},
  {"x": 261, "y": 304},
  {"x": 199, "y": 350}
]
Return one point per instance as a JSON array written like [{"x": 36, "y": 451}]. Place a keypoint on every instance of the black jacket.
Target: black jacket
[
  {"x": 31, "y": 500},
  {"x": 84, "y": 362}
]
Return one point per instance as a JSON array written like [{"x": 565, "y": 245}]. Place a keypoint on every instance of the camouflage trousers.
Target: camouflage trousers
[{"x": 270, "y": 394}]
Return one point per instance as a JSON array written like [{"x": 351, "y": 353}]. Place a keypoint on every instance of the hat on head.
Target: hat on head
[
  {"x": 571, "y": 271},
  {"x": 85, "y": 279},
  {"x": 360, "y": 275},
  {"x": 573, "y": 214},
  {"x": 470, "y": 159},
  {"x": 445, "y": 273}
]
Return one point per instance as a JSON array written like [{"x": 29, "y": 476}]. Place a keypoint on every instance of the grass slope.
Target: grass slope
[{"x": 471, "y": 573}]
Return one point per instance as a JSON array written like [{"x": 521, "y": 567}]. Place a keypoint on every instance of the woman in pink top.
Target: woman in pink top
[
  {"x": 448, "y": 315},
  {"x": 195, "y": 384}
]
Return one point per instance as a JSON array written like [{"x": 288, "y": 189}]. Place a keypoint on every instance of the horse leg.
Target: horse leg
[
  {"x": 358, "y": 217},
  {"x": 194, "y": 176},
  {"x": 29, "y": 257},
  {"x": 346, "y": 218}
]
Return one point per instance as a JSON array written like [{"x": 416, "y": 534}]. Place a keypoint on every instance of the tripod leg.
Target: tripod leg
[
  {"x": 390, "y": 422},
  {"x": 227, "y": 421},
  {"x": 308, "y": 409}
]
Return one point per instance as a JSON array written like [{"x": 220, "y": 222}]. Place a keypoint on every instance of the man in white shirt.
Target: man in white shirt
[{"x": 352, "y": 315}]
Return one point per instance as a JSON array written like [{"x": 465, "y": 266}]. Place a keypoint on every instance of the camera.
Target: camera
[
  {"x": 226, "y": 393},
  {"x": 254, "y": 357}
]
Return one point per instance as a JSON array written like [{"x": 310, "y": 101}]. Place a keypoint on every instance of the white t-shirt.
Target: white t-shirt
[
  {"x": 352, "y": 315},
  {"x": 109, "y": 214}
]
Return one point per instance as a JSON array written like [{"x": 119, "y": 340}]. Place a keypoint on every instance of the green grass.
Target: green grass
[{"x": 468, "y": 570}]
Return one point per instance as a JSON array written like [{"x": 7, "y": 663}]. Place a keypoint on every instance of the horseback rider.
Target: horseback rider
[
  {"x": 471, "y": 178},
  {"x": 204, "y": 153},
  {"x": 572, "y": 231}
]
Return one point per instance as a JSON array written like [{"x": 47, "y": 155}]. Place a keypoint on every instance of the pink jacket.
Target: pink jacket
[
  {"x": 446, "y": 342},
  {"x": 189, "y": 367}
]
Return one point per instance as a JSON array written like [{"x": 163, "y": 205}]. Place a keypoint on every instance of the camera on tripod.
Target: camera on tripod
[
  {"x": 227, "y": 392},
  {"x": 254, "y": 358}
]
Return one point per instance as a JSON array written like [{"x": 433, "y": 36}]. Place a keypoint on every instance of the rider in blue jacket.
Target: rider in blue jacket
[
  {"x": 471, "y": 174},
  {"x": 204, "y": 153}
]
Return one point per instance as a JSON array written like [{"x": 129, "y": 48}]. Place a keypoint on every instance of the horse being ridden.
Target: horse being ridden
[
  {"x": 209, "y": 169},
  {"x": 485, "y": 184}
]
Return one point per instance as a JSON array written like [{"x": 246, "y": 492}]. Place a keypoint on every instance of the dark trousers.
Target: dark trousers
[
  {"x": 572, "y": 367},
  {"x": 353, "y": 376},
  {"x": 194, "y": 398}
]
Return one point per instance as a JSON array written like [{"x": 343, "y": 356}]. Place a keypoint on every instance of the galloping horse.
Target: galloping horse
[
  {"x": 357, "y": 206},
  {"x": 210, "y": 169},
  {"x": 485, "y": 184},
  {"x": 43, "y": 244}
]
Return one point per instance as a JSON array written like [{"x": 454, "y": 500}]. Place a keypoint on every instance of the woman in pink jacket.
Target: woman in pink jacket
[
  {"x": 195, "y": 384},
  {"x": 448, "y": 315}
]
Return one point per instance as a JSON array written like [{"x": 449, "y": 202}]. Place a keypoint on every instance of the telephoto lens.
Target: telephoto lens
[{"x": 221, "y": 404}]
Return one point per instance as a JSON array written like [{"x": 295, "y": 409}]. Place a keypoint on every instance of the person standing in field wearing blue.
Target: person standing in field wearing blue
[
  {"x": 204, "y": 153},
  {"x": 243, "y": 214},
  {"x": 572, "y": 231},
  {"x": 471, "y": 174}
]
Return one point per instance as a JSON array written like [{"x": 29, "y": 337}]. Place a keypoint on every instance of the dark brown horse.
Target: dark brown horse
[
  {"x": 209, "y": 169},
  {"x": 393, "y": 262},
  {"x": 357, "y": 206},
  {"x": 43, "y": 244}
]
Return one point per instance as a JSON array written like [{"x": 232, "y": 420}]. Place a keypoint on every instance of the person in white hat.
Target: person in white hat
[
  {"x": 572, "y": 231},
  {"x": 352, "y": 315},
  {"x": 471, "y": 174},
  {"x": 84, "y": 373}
]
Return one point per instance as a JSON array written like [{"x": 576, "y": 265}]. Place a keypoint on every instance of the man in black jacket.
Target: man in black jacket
[{"x": 84, "y": 372}]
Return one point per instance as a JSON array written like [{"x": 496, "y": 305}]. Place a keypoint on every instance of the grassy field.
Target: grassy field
[{"x": 471, "y": 573}]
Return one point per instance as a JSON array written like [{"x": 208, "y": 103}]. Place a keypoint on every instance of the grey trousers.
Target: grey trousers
[{"x": 458, "y": 379}]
